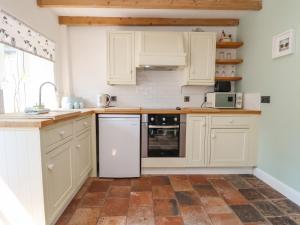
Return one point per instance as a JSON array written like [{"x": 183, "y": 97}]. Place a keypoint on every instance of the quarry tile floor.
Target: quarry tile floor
[{"x": 180, "y": 200}]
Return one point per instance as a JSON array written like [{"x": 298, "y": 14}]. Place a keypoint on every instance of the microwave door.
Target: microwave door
[{"x": 225, "y": 101}]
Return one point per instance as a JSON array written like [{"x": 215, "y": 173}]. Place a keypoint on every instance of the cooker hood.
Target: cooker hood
[{"x": 160, "y": 50}]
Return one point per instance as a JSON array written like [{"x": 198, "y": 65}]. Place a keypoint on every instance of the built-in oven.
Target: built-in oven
[{"x": 163, "y": 135}]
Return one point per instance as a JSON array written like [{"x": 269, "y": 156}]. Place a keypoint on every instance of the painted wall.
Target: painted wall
[
  {"x": 42, "y": 20},
  {"x": 279, "y": 151},
  {"x": 87, "y": 48}
]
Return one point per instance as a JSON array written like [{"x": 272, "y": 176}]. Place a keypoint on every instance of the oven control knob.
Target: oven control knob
[
  {"x": 175, "y": 119},
  {"x": 163, "y": 119},
  {"x": 152, "y": 118}
]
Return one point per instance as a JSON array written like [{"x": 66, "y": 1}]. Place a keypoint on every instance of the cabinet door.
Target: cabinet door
[
  {"x": 229, "y": 147},
  {"x": 82, "y": 156},
  {"x": 196, "y": 140},
  {"x": 58, "y": 178},
  {"x": 202, "y": 59},
  {"x": 121, "y": 66}
]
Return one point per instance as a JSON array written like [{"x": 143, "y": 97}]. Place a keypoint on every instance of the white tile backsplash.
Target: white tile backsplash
[{"x": 160, "y": 89}]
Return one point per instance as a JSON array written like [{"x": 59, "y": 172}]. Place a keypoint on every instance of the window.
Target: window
[{"x": 21, "y": 74}]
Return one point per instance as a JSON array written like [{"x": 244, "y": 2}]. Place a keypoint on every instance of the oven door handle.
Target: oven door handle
[{"x": 164, "y": 127}]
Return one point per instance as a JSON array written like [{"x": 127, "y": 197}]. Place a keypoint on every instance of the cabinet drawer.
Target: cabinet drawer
[
  {"x": 58, "y": 133},
  {"x": 230, "y": 121},
  {"x": 82, "y": 124}
]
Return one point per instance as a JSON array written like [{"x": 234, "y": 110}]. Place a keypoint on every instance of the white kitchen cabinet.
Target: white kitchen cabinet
[
  {"x": 66, "y": 163},
  {"x": 233, "y": 141},
  {"x": 82, "y": 156},
  {"x": 196, "y": 140},
  {"x": 229, "y": 147},
  {"x": 43, "y": 168},
  {"x": 195, "y": 51},
  {"x": 58, "y": 177},
  {"x": 201, "y": 59},
  {"x": 120, "y": 58}
]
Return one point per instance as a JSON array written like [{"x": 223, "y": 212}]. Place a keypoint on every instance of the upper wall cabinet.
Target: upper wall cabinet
[
  {"x": 160, "y": 49},
  {"x": 201, "y": 59},
  {"x": 195, "y": 52},
  {"x": 120, "y": 58}
]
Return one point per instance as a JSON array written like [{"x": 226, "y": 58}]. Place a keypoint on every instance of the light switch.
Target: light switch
[
  {"x": 186, "y": 98},
  {"x": 265, "y": 99}
]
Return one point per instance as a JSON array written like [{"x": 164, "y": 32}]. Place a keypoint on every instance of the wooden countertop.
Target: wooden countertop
[
  {"x": 174, "y": 111},
  {"x": 26, "y": 121},
  {"x": 11, "y": 120}
]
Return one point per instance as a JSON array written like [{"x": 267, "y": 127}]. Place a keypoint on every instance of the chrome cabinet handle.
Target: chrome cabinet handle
[
  {"x": 213, "y": 136},
  {"x": 78, "y": 146},
  {"x": 85, "y": 124}
]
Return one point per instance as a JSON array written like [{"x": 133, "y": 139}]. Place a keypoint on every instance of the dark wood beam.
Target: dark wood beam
[{"x": 157, "y": 4}]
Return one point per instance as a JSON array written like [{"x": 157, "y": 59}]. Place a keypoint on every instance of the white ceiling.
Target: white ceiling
[{"x": 164, "y": 13}]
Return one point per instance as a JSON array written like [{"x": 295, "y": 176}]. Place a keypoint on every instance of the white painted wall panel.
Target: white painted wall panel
[{"x": 21, "y": 177}]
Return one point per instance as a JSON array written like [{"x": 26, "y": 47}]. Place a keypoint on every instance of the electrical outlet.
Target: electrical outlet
[
  {"x": 265, "y": 99},
  {"x": 186, "y": 98},
  {"x": 113, "y": 98}
]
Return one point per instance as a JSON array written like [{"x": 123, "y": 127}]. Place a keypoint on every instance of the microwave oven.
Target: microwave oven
[{"x": 224, "y": 100}]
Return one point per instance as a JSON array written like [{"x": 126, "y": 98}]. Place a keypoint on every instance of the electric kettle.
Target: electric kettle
[{"x": 103, "y": 100}]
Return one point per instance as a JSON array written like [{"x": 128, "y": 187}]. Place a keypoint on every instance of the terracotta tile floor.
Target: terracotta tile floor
[{"x": 180, "y": 200}]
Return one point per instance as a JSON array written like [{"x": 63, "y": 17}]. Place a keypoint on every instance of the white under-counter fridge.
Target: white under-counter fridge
[{"x": 119, "y": 146}]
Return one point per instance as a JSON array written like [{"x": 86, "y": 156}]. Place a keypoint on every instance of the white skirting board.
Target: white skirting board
[
  {"x": 166, "y": 171},
  {"x": 284, "y": 189}
]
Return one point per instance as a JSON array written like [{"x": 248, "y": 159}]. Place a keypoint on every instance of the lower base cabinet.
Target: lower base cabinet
[
  {"x": 67, "y": 162},
  {"x": 58, "y": 177},
  {"x": 229, "y": 147},
  {"x": 196, "y": 140},
  {"x": 221, "y": 141},
  {"x": 82, "y": 158},
  {"x": 42, "y": 169}
]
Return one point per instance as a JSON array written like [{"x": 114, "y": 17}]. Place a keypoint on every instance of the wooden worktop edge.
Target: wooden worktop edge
[{"x": 40, "y": 123}]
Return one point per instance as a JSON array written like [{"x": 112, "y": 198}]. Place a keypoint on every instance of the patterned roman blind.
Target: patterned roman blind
[{"x": 17, "y": 34}]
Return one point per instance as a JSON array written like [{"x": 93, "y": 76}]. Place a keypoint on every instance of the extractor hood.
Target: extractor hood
[{"x": 160, "y": 49}]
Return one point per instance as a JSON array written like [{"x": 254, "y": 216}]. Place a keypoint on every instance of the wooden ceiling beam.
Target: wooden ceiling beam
[
  {"x": 157, "y": 4},
  {"x": 141, "y": 21}
]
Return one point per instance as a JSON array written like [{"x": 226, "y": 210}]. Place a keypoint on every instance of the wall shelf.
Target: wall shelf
[
  {"x": 233, "y": 45},
  {"x": 229, "y": 61},
  {"x": 235, "y": 78}
]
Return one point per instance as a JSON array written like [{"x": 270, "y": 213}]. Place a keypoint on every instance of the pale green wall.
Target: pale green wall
[{"x": 279, "y": 139}]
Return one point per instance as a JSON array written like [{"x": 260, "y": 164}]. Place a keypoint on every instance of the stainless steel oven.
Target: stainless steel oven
[{"x": 163, "y": 135}]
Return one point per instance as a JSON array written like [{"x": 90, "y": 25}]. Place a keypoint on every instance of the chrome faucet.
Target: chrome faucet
[{"x": 40, "y": 92}]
